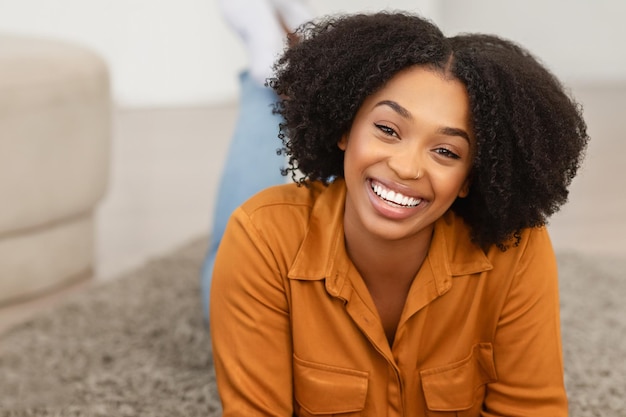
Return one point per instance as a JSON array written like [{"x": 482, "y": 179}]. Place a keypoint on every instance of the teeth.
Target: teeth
[{"x": 394, "y": 197}]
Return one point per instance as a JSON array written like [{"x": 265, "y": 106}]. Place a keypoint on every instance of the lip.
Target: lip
[{"x": 390, "y": 210}]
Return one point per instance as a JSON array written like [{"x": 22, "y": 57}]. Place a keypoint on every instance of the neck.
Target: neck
[{"x": 388, "y": 261}]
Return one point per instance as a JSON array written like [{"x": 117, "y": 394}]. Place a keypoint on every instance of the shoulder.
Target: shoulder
[
  {"x": 284, "y": 212},
  {"x": 458, "y": 231},
  {"x": 453, "y": 236},
  {"x": 534, "y": 245},
  {"x": 277, "y": 221},
  {"x": 286, "y": 198},
  {"x": 531, "y": 263}
]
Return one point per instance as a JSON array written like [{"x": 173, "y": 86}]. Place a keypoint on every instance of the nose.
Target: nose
[{"x": 407, "y": 162}]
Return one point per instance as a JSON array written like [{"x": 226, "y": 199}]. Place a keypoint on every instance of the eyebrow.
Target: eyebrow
[
  {"x": 453, "y": 131},
  {"x": 397, "y": 108},
  {"x": 448, "y": 131}
]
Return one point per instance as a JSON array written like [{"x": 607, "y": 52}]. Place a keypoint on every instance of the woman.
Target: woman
[{"x": 408, "y": 272}]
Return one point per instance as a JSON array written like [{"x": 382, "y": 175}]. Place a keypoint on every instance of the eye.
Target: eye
[
  {"x": 447, "y": 153},
  {"x": 386, "y": 130}
]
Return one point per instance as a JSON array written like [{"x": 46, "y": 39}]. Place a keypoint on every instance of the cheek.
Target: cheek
[
  {"x": 357, "y": 151},
  {"x": 353, "y": 162},
  {"x": 453, "y": 183}
]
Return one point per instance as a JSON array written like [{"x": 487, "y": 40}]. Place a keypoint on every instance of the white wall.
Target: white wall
[
  {"x": 160, "y": 52},
  {"x": 168, "y": 53},
  {"x": 580, "y": 40}
]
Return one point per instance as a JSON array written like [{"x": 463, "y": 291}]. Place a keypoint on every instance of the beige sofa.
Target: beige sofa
[{"x": 55, "y": 127}]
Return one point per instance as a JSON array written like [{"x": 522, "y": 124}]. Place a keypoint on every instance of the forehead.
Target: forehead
[{"x": 422, "y": 88}]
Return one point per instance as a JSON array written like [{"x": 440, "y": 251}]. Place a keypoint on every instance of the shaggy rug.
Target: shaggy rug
[{"x": 137, "y": 346}]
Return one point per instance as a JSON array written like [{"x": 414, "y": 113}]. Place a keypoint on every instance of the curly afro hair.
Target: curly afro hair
[{"x": 530, "y": 135}]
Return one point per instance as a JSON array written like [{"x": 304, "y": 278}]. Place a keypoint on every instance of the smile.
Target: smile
[{"x": 396, "y": 198}]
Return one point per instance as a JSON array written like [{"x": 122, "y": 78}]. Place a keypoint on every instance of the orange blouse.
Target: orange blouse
[{"x": 295, "y": 331}]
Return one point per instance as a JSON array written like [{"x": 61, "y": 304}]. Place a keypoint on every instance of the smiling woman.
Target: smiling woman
[{"x": 405, "y": 273}]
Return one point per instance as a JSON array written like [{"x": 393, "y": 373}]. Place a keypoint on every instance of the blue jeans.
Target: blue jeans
[{"x": 251, "y": 165}]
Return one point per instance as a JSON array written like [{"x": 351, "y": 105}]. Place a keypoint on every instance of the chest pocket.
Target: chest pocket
[
  {"x": 458, "y": 389},
  {"x": 328, "y": 390}
]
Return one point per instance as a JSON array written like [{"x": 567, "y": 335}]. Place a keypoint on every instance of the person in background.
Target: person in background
[
  {"x": 252, "y": 163},
  {"x": 408, "y": 270}
]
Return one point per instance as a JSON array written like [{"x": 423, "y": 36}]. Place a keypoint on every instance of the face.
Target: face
[{"x": 407, "y": 155}]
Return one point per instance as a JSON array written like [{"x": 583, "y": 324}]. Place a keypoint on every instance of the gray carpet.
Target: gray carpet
[{"x": 137, "y": 346}]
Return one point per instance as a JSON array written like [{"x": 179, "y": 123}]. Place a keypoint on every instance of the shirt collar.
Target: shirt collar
[
  {"x": 323, "y": 242},
  {"x": 452, "y": 252},
  {"x": 322, "y": 253}
]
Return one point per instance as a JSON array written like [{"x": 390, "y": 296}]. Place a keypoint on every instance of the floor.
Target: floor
[{"x": 166, "y": 164}]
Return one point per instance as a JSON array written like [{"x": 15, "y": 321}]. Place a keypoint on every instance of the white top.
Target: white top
[{"x": 258, "y": 24}]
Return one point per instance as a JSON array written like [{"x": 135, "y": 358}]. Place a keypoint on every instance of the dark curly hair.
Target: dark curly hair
[{"x": 530, "y": 135}]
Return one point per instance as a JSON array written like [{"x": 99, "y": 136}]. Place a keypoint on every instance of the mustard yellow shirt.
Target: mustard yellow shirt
[{"x": 295, "y": 331}]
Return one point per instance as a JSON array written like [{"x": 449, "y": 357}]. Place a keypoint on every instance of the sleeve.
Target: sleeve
[
  {"x": 250, "y": 325},
  {"x": 527, "y": 344}
]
